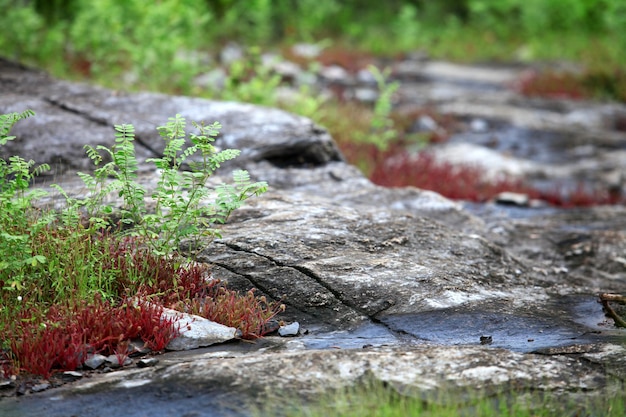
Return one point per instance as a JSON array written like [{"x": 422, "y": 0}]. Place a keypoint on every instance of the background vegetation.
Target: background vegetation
[{"x": 164, "y": 43}]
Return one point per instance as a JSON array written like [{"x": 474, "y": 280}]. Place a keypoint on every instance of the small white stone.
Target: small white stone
[
  {"x": 289, "y": 330},
  {"x": 479, "y": 125},
  {"x": 307, "y": 50},
  {"x": 426, "y": 123},
  {"x": 196, "y": 331}
]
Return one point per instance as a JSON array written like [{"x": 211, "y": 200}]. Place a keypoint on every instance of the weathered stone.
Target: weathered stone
[
  {"x": 516, "y": 199},
  {"x": 291, "y": 329},
  {"x": 42, "y": 386},
  {"x": 116, "y": 361},
  {"x": 196, "y": 331},
  {"x": 147, "y": 362},
  {"x": 72, "y": 375},
  {"x": 417, "y": 370},
  {"x": 94, "y": 361}
]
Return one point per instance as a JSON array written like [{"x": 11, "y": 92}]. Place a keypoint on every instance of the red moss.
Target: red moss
[
  {"x": 397, "y": 168},
  {"x": 456, "y": 182},
  {"x": 188, "y": 287},
  {"x": 62, "y": 338},
  {"x": 350, "y": 59},
  {"x": 551, "y": 84},
  {"x": 248, "y": 313}
]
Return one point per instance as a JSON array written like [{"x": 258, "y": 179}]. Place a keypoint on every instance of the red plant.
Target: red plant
[
  {"x": 7, "y": 364},
  {"x": 63, "y": 337},
  {"x": 456, "y": 182},
  {"x": 157, "y": 330},
  {"x": 139, "y": 270},
  {"x": 398, "y": 168},
  {"x": 565, "y": 85},
  {"x": 248, "y": 313}
]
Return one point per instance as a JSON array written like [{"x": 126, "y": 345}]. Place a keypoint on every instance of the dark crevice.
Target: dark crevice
[
  {"x": 307, "y": 272},
  {"x": 296, "y": 158},
  {"x": 302, "y": 155},
  {"x": 102, "y": 122},
  {"x": 262, "y": 288}
]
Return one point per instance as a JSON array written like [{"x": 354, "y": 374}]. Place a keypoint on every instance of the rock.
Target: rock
[
  {"x": 516, "y": 199},
  {"x": 196, "y": 331},
  {"x": 307, "y": 50},
  {"x": 230, "y": 53},
  {"x": 366, "y": 77},
  {"x": 366, "y": 95},
  {"x": 287, "y": 70},
  {"x": 42, "y": 386},
  {"x": 137, "y": 347},
  {"x": 72, "y": 375},
  {"x": 493, "y": 164},
  {"x": 147, "y": 362},
  {"x": 113, "y": 361},
  {"x": 291, "y": 329},
  {"x": 416, "y": 277},
  {"x": 213, "y": 80},
  {"x": 479, "y": 125},
  {"x": 7, "y": 384},
  {"x": 335, "y": 74},
  {"x": 426, "y": 123},
  {"x": 94, "y": 361},
  {"x": 306, "y": 374}
]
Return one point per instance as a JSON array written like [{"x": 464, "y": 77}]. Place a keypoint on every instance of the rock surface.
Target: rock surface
[{"x": 405, "y": 282}]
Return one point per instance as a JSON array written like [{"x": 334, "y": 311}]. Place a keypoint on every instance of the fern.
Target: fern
[
  {"x": 8, "y": 120},
  {"x": 19, "y": 221},
  {"x": 382, "y": 127},
  {"x": 183, "y": 206}
]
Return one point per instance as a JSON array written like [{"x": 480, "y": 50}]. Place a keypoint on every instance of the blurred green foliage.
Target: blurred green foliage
[
  {"x": 163, "y": 44},
  {"x": 263, "y": 21}
]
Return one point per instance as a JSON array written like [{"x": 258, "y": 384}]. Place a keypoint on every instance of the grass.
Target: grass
[
  {"x": 92, "y": 277},
  {"x": 376, "y": 399}
]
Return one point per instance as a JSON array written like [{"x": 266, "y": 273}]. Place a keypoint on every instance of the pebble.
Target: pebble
[
  {"x": 147, "y": 362},
  {"x": 94, "y": 361},
  {"x": 307, "y": 50},
  {"x": 72, "y": 375},
  {"x": 289, "y": 330},
  {"x": 42, "y": 386},
  {"x": 7, "y": 383},
  {"x": 334, "y": 73},
  {"x": 513, "y": 199},
  {"x": 112, "y": 361},
  {"x": 426, "y": 123},
  {"x": 366, "y": 95},
  {"x": 479, "y": 125}
]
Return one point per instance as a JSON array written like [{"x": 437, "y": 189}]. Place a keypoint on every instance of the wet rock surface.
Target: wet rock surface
[{"x": 399, "y": 284}]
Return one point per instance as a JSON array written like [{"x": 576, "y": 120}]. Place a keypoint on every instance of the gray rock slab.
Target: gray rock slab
[{"x": 200, "y": 381}]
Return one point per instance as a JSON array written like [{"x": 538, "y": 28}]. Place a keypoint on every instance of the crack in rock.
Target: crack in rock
[
  {"x": 100, "y": 121},
  {"x": 317, "y": 280}
]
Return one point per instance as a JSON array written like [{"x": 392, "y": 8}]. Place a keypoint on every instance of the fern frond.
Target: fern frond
[
  {"x": 88, "y": 180},
  {"x": 7, "y": 121}
]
